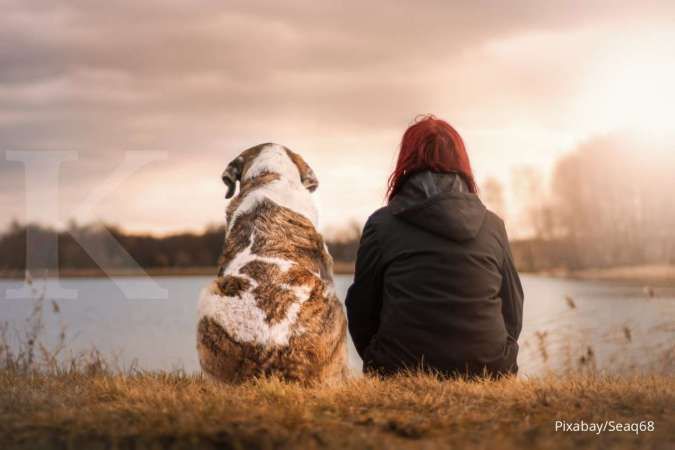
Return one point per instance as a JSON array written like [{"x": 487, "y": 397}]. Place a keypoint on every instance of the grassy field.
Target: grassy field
[{"x": 157, "y": 410}]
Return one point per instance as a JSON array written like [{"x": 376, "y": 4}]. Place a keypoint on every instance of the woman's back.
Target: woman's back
[{"x": 435, "y": 285}]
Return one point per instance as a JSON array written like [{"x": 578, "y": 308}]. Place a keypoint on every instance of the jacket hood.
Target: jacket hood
[{"x": 440, "y": 203}]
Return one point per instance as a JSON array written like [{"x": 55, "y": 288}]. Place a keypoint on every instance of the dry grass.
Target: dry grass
[{"x": 157, "y": 410}]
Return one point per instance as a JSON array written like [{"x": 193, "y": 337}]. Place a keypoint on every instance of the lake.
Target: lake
[{"x": 613, "y": 326}]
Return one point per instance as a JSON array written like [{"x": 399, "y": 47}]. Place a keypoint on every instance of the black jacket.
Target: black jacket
[{"x": 435, "y": 284}]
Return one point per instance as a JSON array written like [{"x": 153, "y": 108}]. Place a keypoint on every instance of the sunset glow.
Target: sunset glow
[{"x": 339, "y": 91}]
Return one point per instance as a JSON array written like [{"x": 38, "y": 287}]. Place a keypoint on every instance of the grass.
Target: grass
[
  {"x": 160, "y": 410},
  {"x": 48, "y": 402}
]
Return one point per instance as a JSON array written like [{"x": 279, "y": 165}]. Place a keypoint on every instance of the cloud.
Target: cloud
[{"x": 203, "y": 80}]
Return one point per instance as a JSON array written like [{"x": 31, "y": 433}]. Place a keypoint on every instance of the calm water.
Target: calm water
[{"x": 623, "y": 327}]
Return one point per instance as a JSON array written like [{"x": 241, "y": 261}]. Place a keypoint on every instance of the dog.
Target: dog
[{"x": 272, "y": 310}]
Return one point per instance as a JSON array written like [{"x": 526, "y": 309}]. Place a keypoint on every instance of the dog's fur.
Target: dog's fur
[{"x": 272, "y": 309}]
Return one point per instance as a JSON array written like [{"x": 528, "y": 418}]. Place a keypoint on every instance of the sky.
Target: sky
[{"x": 524, "y": 82}]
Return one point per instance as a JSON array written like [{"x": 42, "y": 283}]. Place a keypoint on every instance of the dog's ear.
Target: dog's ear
[
  {"x": 232, "y": 174},
  {"x": 307, "y": 176}
]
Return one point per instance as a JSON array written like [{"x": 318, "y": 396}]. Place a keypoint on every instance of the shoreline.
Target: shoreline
[
  {"x": 655, "y": 274},
  {"x": 340, "y": 268},
  {"x": 647, "y": 275}
]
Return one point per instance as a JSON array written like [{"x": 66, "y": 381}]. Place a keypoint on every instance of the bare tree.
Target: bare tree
[
  {"x": 613, "y": 199},
  {"x": 492, "y": 193},
  {"x": 536, "y": 211}
]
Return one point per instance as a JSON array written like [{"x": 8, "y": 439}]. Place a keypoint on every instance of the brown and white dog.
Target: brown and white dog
[{"x": 272, "y": 309}]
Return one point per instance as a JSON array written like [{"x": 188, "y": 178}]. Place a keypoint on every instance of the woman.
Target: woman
[{"x": 435, "y": 285}]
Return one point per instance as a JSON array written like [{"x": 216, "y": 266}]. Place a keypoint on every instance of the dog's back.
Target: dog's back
[{"x": 272, "y": 309}]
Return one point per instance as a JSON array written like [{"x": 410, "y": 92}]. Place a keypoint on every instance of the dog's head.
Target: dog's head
[{"x": 272, "y": 158}]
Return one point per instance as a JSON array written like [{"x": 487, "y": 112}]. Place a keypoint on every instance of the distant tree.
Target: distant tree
[
  {"x": 344, "y": 243},
  {"x": 613, "y": 201},
  {"x": 492, "y": 193},
  {"x": 532, "y": 194}
]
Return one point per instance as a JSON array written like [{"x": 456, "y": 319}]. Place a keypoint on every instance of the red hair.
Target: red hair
[{"x": 430, "y": 144}]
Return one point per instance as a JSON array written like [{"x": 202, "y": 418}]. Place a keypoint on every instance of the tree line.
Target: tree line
[
  {"x": 64, "y": 249},
  {"x": 609, "y": 202}
]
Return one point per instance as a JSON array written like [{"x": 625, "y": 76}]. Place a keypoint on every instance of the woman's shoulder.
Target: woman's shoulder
[
  {"x": 496, "y": 225},
  {"x": 378, "y": 223},
  {"x": 380, "y": 217},
  {"x": 493, "y": 219}
]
